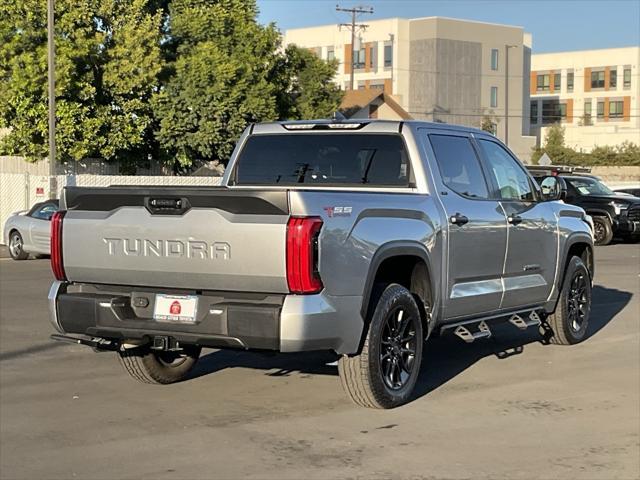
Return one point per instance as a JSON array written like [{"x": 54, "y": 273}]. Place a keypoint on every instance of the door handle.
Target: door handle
[
  {"x": 458, "y": 219},
  {"x": 514, "y": 219}
]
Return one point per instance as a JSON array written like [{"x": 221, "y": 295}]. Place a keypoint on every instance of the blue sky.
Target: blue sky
[{"x": 556, "y": 25}]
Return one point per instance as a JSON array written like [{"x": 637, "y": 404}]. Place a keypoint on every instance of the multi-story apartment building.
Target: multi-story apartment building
[
  {"x": 438, "y": 69},
  {"x": 594, "y": 94}
]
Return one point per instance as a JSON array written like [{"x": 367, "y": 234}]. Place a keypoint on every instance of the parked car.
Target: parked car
[
  {"x": 633, "y": 189},
  {"x": 359, "y": 238},
  {"x": 28, "y": 231},
  {"x": 614, "y": 214}
]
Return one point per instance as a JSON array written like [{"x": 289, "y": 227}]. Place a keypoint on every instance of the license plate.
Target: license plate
[{"x": 175, "y": 308}]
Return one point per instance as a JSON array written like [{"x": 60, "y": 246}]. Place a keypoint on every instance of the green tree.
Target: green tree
[
  {"x": 107, "y": 64},
  {"x": 219, "y": 81},
  {"x": 309, "y": 91},
  {"x": 227, "y": 71}
]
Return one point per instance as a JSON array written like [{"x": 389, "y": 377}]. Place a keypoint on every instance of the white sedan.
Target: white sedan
[{"x": 28, "y": 231}]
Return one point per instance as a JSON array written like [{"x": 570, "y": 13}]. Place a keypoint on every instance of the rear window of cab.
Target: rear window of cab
[{"x": 378, "y": 160}]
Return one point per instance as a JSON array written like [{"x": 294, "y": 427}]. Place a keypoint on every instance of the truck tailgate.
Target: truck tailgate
[{"x": 203, "y": 238}]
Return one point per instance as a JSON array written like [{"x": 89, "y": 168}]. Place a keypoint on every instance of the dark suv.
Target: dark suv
[{"x": 613, "y": 214}]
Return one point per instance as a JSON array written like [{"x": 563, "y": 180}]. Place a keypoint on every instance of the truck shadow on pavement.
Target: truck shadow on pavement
[{"x": 445, "y": 357}]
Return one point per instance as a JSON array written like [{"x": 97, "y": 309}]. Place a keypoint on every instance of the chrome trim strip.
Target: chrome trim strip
[
  {"x": 524, "y": 281},
  {"x": 56, "y": 289},
  {"x": 472, "y": 289}
]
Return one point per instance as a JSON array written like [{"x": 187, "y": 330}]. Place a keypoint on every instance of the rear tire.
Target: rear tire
[
  {"x": 603, "y": 231},
  {"x": 570, "y": 321},
  {"x": 384, "y": 374},
  {"x": 16, "y": 246},
  {"x": 148, "y": 366}
]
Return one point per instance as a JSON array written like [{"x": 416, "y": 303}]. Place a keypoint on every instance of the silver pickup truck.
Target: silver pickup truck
[{"x": 361, "y": 238}]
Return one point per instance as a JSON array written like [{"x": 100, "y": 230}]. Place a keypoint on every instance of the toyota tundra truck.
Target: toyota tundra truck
[{"x": 361, "y": 238}]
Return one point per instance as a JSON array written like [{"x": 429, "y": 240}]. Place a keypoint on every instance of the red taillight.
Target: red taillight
[
  {"x": 302, "y": 254},
  {"x": 56, "y": 246}
]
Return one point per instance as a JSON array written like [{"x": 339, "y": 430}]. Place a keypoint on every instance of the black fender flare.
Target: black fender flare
[
  {"x": 574, "y": 238},
  {"x": 596, "y": 212},
  {"x": 396, "y": 249}
]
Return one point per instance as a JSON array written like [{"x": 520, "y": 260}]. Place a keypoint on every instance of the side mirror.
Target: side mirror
[{"x": 553, "y": 188}]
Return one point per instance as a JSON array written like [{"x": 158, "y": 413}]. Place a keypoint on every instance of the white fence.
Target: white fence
[{"x": 20, "y": 191}]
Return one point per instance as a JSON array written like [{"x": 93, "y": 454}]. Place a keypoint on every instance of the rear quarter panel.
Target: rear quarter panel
[{"x": 348, "y": 242}]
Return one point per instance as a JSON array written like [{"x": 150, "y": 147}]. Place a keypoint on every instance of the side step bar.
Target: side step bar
[
  {"x": 463, "y": 332},
  {"x": 475, "y": 329},
  {"x": 522, "y": 324}
]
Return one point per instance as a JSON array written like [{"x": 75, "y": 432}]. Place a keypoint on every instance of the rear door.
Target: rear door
[
  {"x": 532, "y": 250},
  {"x": 476, "y": 229}
]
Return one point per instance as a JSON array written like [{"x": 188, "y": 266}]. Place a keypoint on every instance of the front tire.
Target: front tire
[
  {"x": 385, "y": 372},
  {"x": 570, "y": 321},
  {"x": 16, "y": 246},
  {"x": 149, "y": 366},
  {"x": 603, "y": 233}
]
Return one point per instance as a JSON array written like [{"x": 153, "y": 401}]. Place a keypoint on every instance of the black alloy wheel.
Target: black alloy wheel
[{"x": 398, "y": 348}]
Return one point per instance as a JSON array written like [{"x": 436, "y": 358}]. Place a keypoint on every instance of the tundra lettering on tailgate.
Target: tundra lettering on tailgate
[{"x": 144, "y": 247}]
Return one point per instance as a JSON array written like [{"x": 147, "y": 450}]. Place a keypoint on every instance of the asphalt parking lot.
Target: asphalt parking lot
[{"x": 508, "y": 407}]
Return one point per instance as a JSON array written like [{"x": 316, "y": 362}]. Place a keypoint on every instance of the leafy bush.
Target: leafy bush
[{"x": 625, "y": 154}]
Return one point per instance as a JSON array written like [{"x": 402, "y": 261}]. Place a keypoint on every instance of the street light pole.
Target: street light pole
[
  {"x": 506, "y": 92},
  {"x": 51, "y": 53},
  {"x": 352, "y": 26}
]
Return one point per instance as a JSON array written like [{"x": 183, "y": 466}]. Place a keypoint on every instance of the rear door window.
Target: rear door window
[
  {"x": 512, "y": 181},
  {"x": 459, "y": 165},
  {"x": 323, "y": 159}
]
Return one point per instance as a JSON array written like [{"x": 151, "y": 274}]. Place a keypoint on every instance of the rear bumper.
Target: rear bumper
[{"x": 286, "y": 323}]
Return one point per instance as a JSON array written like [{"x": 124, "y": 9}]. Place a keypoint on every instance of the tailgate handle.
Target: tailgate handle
[{"x": 167, "y": 205}]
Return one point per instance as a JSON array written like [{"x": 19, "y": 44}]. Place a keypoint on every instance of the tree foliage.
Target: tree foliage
[
  {"x": 627, "y": 153},
  {"x": 219, "y": 81},
  {"x": 176, "y": 80},
  {"x": 107, "y": 63}
]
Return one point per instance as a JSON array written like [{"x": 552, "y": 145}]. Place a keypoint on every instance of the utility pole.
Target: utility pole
[
  {"x": 51, "y": 53},
  {"x": 506, "y": 92},
  {"x": 353, "y": 26}
]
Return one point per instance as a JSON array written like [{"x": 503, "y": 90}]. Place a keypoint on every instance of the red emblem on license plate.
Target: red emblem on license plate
[{"x": 175, "y": 308}]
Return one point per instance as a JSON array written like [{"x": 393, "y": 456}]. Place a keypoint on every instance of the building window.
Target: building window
[
  {"x": 542, "y": 83},
  {"x": 557, "y": 79},
  {"x": 494, "y": 96},
  {"x": 373, "y": 56},
  {"x": 587, "y": 112},
  {"x": 331, "y": 54},
  {"x": 600, "y": 112},
  {"x": 615, "y": 109},
  {"x": 359, "y": 58},
  {"x": 494, "y": 58},
  {"x": 569, "y": 81},
  {"x": 613, "y": 78},
  {"x": 553, "y": 111},
  {"x": 376, "y": 86},
  {"x": 388, "y": 55},
  {"x": 597, "y": 79},
  {"x": 626, "y": 78},
  {"x": 533, "y": 117}
]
